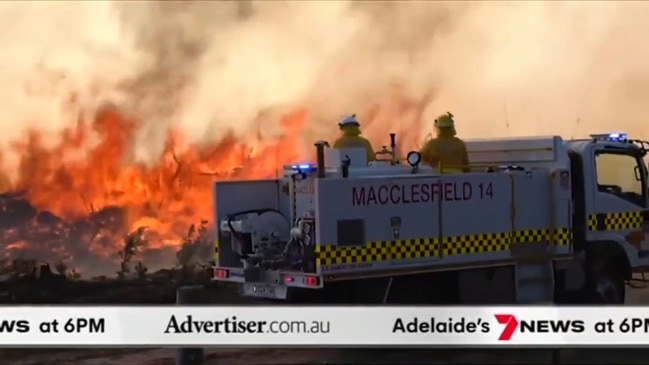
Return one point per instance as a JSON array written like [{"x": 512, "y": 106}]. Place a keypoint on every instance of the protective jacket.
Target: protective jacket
[
  {"x": 351, "y": 138},
  {"x": 446, "y": 151}
]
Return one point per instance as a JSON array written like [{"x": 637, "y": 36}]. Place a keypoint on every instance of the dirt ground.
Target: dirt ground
[{"x": 333, "y": 356}]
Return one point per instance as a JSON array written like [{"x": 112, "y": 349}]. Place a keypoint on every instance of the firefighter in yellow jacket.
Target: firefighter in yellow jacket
[
  {"x": 446, "y": 151},
  {"x": 351, "y": 137}
]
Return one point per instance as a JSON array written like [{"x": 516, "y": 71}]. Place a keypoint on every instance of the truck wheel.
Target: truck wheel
[{"x": 607, "y": 287}]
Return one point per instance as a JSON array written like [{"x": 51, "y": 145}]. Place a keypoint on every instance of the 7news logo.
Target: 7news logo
[{"x": 511, "y": 324}]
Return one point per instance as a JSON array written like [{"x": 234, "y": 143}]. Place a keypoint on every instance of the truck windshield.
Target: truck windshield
[{"x": 620, "y": 174}]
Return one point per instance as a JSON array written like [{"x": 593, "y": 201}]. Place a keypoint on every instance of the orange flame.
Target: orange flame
[{"x": 167, "y": 198}]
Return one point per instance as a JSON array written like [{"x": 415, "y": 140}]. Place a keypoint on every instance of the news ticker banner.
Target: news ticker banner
[{"x": 321, "y": 326}]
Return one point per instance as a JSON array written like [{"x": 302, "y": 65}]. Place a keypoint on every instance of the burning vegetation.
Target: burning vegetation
[
  {"x": 97, "y": 214},
  {"x": 173, "y": 85},
  {"x": 80, "y": 211}
]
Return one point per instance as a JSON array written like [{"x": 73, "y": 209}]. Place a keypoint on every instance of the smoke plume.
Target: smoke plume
[{"x": 209, "y": 68}]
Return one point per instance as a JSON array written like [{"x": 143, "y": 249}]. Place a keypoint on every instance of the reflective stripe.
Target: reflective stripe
[
  {"x": 404, "y": 249},
  {"x": 216, "y": 253},
  {"x": 451, "y": 170},
  {"x": 619, "y": 221}
]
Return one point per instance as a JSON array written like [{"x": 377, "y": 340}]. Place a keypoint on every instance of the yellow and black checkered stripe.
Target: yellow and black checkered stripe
[
  {"x": 618, "y": 221},
  {"x": 377, "y": 251},
  {"x": 216, "y": 252}
]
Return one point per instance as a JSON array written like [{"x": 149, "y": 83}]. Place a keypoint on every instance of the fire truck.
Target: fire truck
[{"x": 536, "y": 220}]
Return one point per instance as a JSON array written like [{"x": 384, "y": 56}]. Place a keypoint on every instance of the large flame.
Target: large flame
[
  {"x": 166, "y": 198},
  {"x": 79, "y": 209}
]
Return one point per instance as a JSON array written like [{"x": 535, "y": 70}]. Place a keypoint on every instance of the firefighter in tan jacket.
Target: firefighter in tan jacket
[
  {"x": 351, "y": 137},
  {"x": 446, "y": 152}
]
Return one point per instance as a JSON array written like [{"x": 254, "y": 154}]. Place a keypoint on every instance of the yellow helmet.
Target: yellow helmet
[{"x": 445, "y": 121}]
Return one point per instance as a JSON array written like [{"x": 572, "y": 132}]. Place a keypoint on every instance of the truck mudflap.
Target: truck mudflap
[{"x": 271, "y": 284}]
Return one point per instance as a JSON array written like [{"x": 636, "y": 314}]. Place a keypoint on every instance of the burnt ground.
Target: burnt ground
[
  {"x": 42, "y": 286},
  {"x": 158, "y": 290}
]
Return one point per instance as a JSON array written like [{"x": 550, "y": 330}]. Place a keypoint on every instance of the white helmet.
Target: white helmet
[{"x": 348, "y": 120}]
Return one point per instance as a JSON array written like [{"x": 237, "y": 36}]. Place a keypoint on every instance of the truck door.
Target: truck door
[
  {"x": 579, "y": 217},
  {"x": 620, "y": 200}
]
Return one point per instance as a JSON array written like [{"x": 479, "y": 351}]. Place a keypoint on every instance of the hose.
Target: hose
[
  {"x": 231, "y": 216},
  {"x": 294, "y": 239}
]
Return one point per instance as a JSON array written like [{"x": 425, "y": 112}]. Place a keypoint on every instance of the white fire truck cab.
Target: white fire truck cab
[{"x": 536, "y": 220}]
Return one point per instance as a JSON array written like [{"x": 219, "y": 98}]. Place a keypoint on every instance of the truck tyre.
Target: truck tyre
[
  {"x": 607, "y": 269},
  {"x": 607, "y": 287}
]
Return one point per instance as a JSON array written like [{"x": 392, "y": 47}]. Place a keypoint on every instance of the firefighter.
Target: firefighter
[
  {"x": 351, "y": 137},
  {"x": 446, "y": 151}
]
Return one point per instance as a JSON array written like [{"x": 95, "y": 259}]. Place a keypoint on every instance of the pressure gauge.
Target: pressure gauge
[{"x": 414, "y": 158}]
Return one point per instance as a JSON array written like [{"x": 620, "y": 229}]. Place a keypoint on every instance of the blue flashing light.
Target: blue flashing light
[
  {"x": 617, "y": 137},
  {"x": 303, "y": 168},
  {"x": 621, "y": 137}
]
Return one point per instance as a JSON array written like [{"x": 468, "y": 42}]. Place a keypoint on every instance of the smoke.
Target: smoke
[{"x": 208, "y": 68}]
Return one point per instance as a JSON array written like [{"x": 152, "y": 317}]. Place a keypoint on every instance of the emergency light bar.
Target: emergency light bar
[
  {"x": 303, "y": 168},
  {"x": 610, "y": 137}
]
